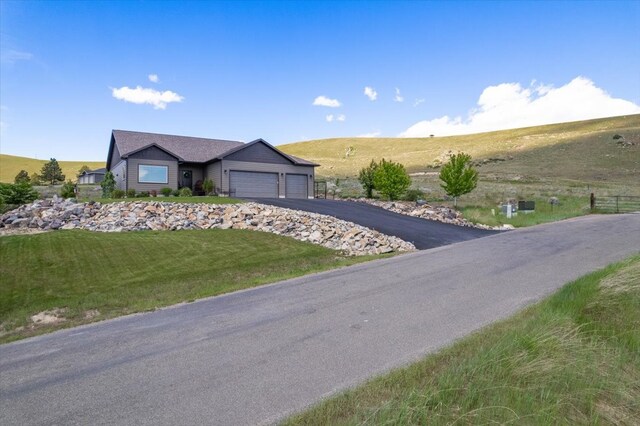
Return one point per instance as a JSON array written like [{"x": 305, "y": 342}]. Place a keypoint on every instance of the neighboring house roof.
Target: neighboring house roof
[
  {"x": 101, "y": 171},
  {"x": 185, "y": 148}
]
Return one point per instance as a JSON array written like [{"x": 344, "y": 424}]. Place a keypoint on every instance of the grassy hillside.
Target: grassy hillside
[
  {"x": 10, "y": 165},
  {"x": 583, "y": 151}
]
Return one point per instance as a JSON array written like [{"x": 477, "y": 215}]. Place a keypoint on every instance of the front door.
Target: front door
[{"x": 186, "y": 179}]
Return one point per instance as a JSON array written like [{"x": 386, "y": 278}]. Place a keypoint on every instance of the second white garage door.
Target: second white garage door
[{"x": 253, "y": 184}]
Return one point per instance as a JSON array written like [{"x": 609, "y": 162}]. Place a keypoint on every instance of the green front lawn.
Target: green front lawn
[
  {"x": 571, "y": 359},
  {"x": 122, "y": 273}
]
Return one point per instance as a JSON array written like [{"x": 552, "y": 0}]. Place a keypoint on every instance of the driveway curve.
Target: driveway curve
[{"x": 424, "y": 234}]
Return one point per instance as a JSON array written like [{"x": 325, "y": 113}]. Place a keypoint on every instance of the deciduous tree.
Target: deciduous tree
[
  {"x": 366, "y": 178},
  {"x": 459, "y": 176},
  {"x": 391, "y": 179}
]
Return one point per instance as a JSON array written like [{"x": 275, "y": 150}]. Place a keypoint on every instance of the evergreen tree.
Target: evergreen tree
[
  {"x": 108, "y": 184},
  {"x": 51, "y": 172}
]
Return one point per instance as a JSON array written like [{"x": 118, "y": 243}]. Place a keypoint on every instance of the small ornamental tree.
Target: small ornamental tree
[
  {"x": 22, "y": 177},
  {"x": 207, "y": 186},
  {"x": 391, "y": 179},
  {"x": 459, "y": 176},
  {"x": 35, "y": 179},
  {"x": 108, "y": 184},
  {"x": 68, "y": 190},
  {"x": 366, "y": 178},
  {"x": 51, "y": 172}
]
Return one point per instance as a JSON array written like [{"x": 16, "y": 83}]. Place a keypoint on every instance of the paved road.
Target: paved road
[
  {"x": 424, "y": 234},
  {"x": 255, "y": 356}
]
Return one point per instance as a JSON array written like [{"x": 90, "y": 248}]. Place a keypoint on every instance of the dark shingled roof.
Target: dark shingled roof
[
  {"x": 187, "y": 148},
  {"x": 197, "y": 150}
]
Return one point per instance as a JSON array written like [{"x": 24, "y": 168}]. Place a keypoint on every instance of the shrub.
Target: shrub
[
  {"x": 459, "y": 176},
  {"x": 18, "y": 193},
  {"x": 117, "y": 193},
  {"x": 153, "y": 193},
  {"x": 108, "y": 184},
  {"x": 166, "y": 191},
  {"x": 175, "y": 193},
  {"x": 391, "y": 179},
  {"x": 617, "y": 136},
  {"x": 68, "y": 190},
  {"x": 366, "y": 177},
  {"x": 413, "y": 195},
  {"x": 22, "y": 177},
  {"x": 185, "y": 192},
  {"x": 207, "y": 186},
  {"x": 143, "y": 194},
  {"x": 131, "y": 193}
]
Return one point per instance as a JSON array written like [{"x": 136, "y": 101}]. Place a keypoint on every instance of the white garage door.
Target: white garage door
[
  {"x": 296, "y": 186},
  {"x": 253, "y": 184}
]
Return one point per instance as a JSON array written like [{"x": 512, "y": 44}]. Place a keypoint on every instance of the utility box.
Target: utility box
[{"x": 526, "y": 206}]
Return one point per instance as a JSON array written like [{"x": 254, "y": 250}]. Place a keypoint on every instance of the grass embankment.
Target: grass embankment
[
  {"x": 10, "y": 166},
  {"x": 571, "y": 359},
  {"x": 121, "y": 273}
]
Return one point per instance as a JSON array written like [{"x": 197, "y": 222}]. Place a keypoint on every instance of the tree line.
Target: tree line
[{"x": 391, "y": 180}]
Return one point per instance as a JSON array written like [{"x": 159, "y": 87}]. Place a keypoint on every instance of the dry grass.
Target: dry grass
[
  {"x": 583, "y": 151},
  {"x": 10, "y": 166}
]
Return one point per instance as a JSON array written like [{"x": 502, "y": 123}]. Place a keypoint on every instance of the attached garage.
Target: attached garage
[
  {"x": 296, "y": 186},
  {"x": 253, "y": 184}
]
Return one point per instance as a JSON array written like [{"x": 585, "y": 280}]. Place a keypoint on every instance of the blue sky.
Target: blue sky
[{"x": 70, "y": 71}]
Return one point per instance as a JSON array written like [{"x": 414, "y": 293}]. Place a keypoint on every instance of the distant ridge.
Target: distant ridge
[
  {"x": 10, "y": 166},
  {"x": 583, "y": 150}
]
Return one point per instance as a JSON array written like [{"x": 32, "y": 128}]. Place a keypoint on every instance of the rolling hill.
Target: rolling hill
[
  {"x": 10, "y": 166},
  {"x": 583, "y": 151}
]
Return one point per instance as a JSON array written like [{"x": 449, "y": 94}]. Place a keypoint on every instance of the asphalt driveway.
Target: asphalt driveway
[{"x": 424, "y": 234}]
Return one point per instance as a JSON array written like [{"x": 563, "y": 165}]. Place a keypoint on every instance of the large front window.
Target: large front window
[{"x": 153, "y": 174}]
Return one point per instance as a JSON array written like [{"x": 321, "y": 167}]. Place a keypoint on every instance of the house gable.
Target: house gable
[
  {"x": 153, "y": 152},
  {"x": 258, "y": 153}
]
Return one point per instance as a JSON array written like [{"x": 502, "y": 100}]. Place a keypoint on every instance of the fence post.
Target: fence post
[
  {"x": 617, "y": 209},
  {"x": 592, "y": 201}
]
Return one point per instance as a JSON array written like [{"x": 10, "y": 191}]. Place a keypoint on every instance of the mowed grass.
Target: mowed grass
[
  {"x": 583, "y": 150},
  {"x": 10, "y": 166},
  {"x": 122, "y": 273},
  {"x": 572, "y": 359}
]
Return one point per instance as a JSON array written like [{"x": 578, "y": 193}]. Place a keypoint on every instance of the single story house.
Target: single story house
[
  {"x": 149, "y": 161},
  {"x": 92, "y": 176}
]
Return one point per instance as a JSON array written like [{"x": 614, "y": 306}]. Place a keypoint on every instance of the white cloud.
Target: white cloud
[
  {"x": 141, "y": 95},
  {"x": 332, "y": 117},
  {"x": 10, "y": 56},
  {"x": 154, "y": 78},
  {"x": 509, "y": 106},
  {"x": 370, "y": 135},
  {"x": 324, "y": 101},
  {"x": 418, "y": 102},
  {"x": 398, "y": 97},
  {"x": 371, "y": 93}
]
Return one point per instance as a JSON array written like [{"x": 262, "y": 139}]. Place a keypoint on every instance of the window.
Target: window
[{"x": 153, "y": 174}]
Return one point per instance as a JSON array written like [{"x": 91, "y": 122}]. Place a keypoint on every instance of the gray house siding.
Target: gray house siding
[
  {"x": 120, "y": 174},
  {"x": 115, "y": 157},
  {"x": 214, "y": 172},
  {"x": 132, "y": 174},
  {"x": 281, "y": 169},
  {"x": 258, "y": 153}
]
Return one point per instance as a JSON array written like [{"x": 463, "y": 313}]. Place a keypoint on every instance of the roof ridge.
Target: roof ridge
[{"x": 175, "y": 136}]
